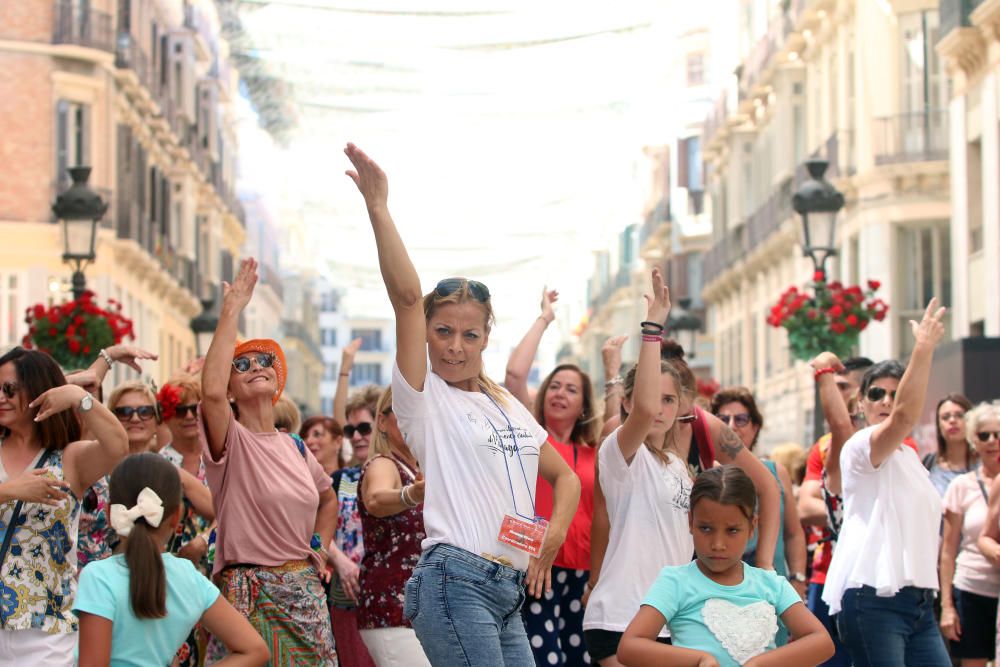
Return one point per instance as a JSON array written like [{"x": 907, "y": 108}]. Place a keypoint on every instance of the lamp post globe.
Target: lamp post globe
[
  {"x": 682, "y": 321},
  {"x": 79, "y": 209},
  {"x": 818, "y": 202}
]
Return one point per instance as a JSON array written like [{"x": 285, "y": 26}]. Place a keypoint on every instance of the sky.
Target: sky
[{"x": 511, "y": 132}]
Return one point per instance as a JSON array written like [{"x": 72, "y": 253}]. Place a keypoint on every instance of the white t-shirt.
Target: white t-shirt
[
  {"x": 648, "y": 506},
  {"x": 890, "y": 535},
  {"x": 973, "y": 572},
  {"x": 476, "y": 469}
]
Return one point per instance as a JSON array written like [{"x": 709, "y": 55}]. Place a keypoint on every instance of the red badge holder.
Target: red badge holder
[{"x": 522, "y": 534}]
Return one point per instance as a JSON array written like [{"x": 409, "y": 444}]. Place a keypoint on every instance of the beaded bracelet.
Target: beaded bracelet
[
  {"x": 823, "y": 371},
  {"x": 649, "y": 338},
  {"x": 654, "y": 325}
]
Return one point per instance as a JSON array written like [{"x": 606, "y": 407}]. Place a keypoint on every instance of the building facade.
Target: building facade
[
  {"x": 141, "y": 91},
  {"x": 808, "y": 85}
]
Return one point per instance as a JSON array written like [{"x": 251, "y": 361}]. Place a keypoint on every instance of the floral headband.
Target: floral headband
[{"x": 169, "y": 397}]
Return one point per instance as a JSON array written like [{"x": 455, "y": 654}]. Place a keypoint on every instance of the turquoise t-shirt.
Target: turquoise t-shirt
[
  {"x": 733, "y": 623},
  {"x": 103, "y": 591}
]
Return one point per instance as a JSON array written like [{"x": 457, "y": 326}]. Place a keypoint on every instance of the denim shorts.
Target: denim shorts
[{"x": 466, "y": 610}]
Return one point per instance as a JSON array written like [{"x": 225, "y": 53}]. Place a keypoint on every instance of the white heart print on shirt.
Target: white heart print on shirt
[{"x": 744, "y": 632}]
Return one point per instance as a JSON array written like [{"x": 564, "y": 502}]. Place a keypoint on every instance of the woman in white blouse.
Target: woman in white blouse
[{"x": 883, "y": 578}]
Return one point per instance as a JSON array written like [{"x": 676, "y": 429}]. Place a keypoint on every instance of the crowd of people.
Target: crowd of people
[{"x": 448, "y": 519}]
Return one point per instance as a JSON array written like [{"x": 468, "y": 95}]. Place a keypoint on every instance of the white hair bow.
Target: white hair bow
[{"x": 148, "y": 506}]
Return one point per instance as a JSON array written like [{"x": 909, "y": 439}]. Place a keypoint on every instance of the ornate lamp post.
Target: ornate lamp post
[
  {"x": 204, "y": 326},
  {"x": 79, "y": 209},
  {"x": 683, "y": 321},
  {"x": 818, "y": 202}
]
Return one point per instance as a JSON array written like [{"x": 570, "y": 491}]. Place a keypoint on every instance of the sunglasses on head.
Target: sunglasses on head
[
  {"x": 876, "y": 394},
  {"x": 183, "y": 411},
  {"x": 245, "y": 362},
  {"x": 10, "y": 389},
  {"x": 449, "y": 286},
  {"x": 362, "y": 429},
  {"x": 739, "y": 420},
  {"x": 125, "y": 413},
  {"x": 984, "y": 436}
]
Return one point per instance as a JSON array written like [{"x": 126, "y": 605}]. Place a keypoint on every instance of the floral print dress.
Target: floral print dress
[
  {"x": 38, "y": 578},
  {"x": 349, "y": 530},
  {"x": 96, "y": 539}
]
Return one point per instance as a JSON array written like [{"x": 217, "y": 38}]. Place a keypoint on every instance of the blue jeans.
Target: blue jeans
[
  {"x": 814, "y": 600},
  {"x": 895, "y": 631},
  {"x": 466, "y": 609}
]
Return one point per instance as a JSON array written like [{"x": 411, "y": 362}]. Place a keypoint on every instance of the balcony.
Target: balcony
[
  {"x": 956, "y": 14},
  {"x": 768, "y": 218},
  {"x": 917, "y": 136},
  {"x": 270, "y": 277},
  {"x": 82, "y": 26},
  {"x": 130, "y": 55}
]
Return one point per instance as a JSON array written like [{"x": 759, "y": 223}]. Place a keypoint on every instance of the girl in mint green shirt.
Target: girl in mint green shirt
[
  {"x": 138, "y": 607},
  {"x": 720, "y": 611}
]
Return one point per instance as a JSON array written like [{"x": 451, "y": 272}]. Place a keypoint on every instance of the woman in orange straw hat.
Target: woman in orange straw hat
[{"x": 273, "y": 502}]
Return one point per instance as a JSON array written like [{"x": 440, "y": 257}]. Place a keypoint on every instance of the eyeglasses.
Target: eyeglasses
[
  {"x": 244, "y": 363},
  {"x": 184, "y": 410},
  {"x": 362, "y": 429},
  {"x": 125, "y": 413},
  {"x": 10, "y": 389},
  {"x": 449, "y": 286},
  {"x": 984, "y": 436},
  {"x": 876, "y": 394},
  {"x": 739, "y": 421},
  {"x": 948, "y": 416}
]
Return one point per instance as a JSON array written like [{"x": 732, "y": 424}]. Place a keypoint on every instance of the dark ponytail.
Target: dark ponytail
[{"x": 147, "y": 578}]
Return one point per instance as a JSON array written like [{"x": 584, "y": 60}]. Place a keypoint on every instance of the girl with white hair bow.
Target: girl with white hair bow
[{"x": 118, "y": 596}]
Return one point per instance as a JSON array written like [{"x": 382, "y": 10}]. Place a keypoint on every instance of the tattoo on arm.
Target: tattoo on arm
[{"x": 729, "y": 442}]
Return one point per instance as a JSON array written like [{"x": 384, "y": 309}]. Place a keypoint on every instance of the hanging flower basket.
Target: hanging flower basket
[
  {"x": 75, "y": 331},
  {"x": 830, "y": 318}
]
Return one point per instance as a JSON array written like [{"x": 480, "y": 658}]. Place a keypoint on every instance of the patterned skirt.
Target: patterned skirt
[{"x": 287, "y": 606}]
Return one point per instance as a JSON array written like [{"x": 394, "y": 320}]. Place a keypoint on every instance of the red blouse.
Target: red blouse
[{"x": 575, "y": 551}]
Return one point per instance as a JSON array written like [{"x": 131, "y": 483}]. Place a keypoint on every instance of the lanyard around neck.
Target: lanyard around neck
[{"x": 517, "y": 450}]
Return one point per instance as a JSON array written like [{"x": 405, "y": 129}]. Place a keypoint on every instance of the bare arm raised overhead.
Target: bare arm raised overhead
[
  {"x": 400, "y": 277},
  {"x": 519, "y": 364}
]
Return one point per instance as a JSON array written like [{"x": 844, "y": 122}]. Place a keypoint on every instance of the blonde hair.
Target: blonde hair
[
  {"x": 791, "y": 456},
  {"x": 189, "y": 386},
  {"x": 287, "y": 415},
  {"x": 982, "y": 412},
  {"x": 433, "y": 301},
  {"x": 365, "y": 398},
  {"x": 669, "y": 367},
  {"x": 380, "y": 439},
  {"x": 134, "y": 386}
]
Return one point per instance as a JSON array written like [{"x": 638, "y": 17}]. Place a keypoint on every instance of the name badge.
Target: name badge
[{"x": 522, "y": 534}]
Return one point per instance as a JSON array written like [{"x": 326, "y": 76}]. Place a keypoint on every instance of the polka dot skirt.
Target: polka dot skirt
[{"x": 555, "y": 622}]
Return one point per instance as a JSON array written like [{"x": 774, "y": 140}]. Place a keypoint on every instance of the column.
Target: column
[
  {"x": 991, "y": 205},
  {"x": 957, "y": 155}
]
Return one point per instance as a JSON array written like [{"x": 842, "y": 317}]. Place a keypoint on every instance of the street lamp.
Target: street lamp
[
  {"x": 682, "y": 320},
  {"x": 818, "y": 202},
  {"x": 79, "y": 208},
  {"x": 204, "y": 326}
]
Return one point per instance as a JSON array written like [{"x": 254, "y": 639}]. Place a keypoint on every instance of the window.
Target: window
[
  {"x": 326, "y": 406},
  {"x": 695, "y": 69},
  {"x": 72, "y": 139},
  {"x": 371, "y": 339},
  {"x": 328, "y": 337},
  {"x": 922, "y": 78},
  {"x": 924, "y": 272},
  {"x": 363, "y": 374},
  {"x": 330, "y": 371},
  {"x": 331, "y": 302}
]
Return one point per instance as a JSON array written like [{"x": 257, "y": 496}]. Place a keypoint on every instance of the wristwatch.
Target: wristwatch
[
  {"x": 797, "y": 576},
  {"x": 86, "y": 403}
]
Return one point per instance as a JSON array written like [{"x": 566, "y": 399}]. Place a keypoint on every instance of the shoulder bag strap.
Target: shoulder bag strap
[
  {"x": 982, "y": 487},
  {"x": 12, "y": 526}
]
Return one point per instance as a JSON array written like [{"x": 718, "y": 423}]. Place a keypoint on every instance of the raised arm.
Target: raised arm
[
  {"x": 912, "y": 390},
  {"x": 835, "y": 411},
  {"x": 86, "y": 461},
  {"x": 401, "y": 280},
  {"x": 343, "y": 380},
  {"x": 611, "y": 356},
  {"x": 519, "y": 364},
  {"x": 731, "y": 450},
  {"x": 215, "y": 408},
  {"x": 646, "y": 395}
]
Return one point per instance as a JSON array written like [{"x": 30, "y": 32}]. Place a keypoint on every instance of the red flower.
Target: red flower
[
  {"x": 169, "y": 398},
  {"x": 74, "y": 345},
  {"x": 879, "y": 315},
  {"x": 819, "y": 277},
  {"x": 836, "y": 311},
  {"x": 852, "y": 320},
  {"x": 812, "y": 314},
  {"x": 838, "y": 327},
  {"x": 53, "y": 317},
  {"x": 39, "y": 311},
  {"x": 53, "y": 332},
  {"x": 874, "y": 285}
]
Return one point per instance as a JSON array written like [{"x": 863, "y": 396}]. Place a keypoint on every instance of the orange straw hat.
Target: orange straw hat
[{"x": 271, "y": 347}]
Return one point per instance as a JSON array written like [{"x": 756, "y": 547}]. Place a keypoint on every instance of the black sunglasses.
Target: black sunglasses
[
  {"x": 184, "y": 410},
  {"x": 244, "y": 363},
  {"x": 10, "y": 389},
  {"x": 363, "y": 429},
  {"x": 125, "y": 413},
  {"x": 984, "y": 436},
  {"x": 876, "y": 394},
  {"x": 739, "y": 420},
  {"x": 449, "y": 286}
]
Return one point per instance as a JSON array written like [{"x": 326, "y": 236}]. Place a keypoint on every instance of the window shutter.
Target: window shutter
[
  {"x": 62, "y": 143},
  {"x": 682, "y": 163}
]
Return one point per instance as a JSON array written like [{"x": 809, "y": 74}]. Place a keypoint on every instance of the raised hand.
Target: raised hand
[
  {"x": 930, "y": 329},
  {"x": 368, "y": 176},
  {"x": 658, "y": 302},
  {"x": 57, "y": 399},
  {"x": 130, "y": 355},
  {"x": 549, "y": 297},
  {"x": 88, "y": 380},
  {"x": 350, "y": 350},
  {"x": 827, "y": 360},
  {"x": 239, "y": 293}
]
